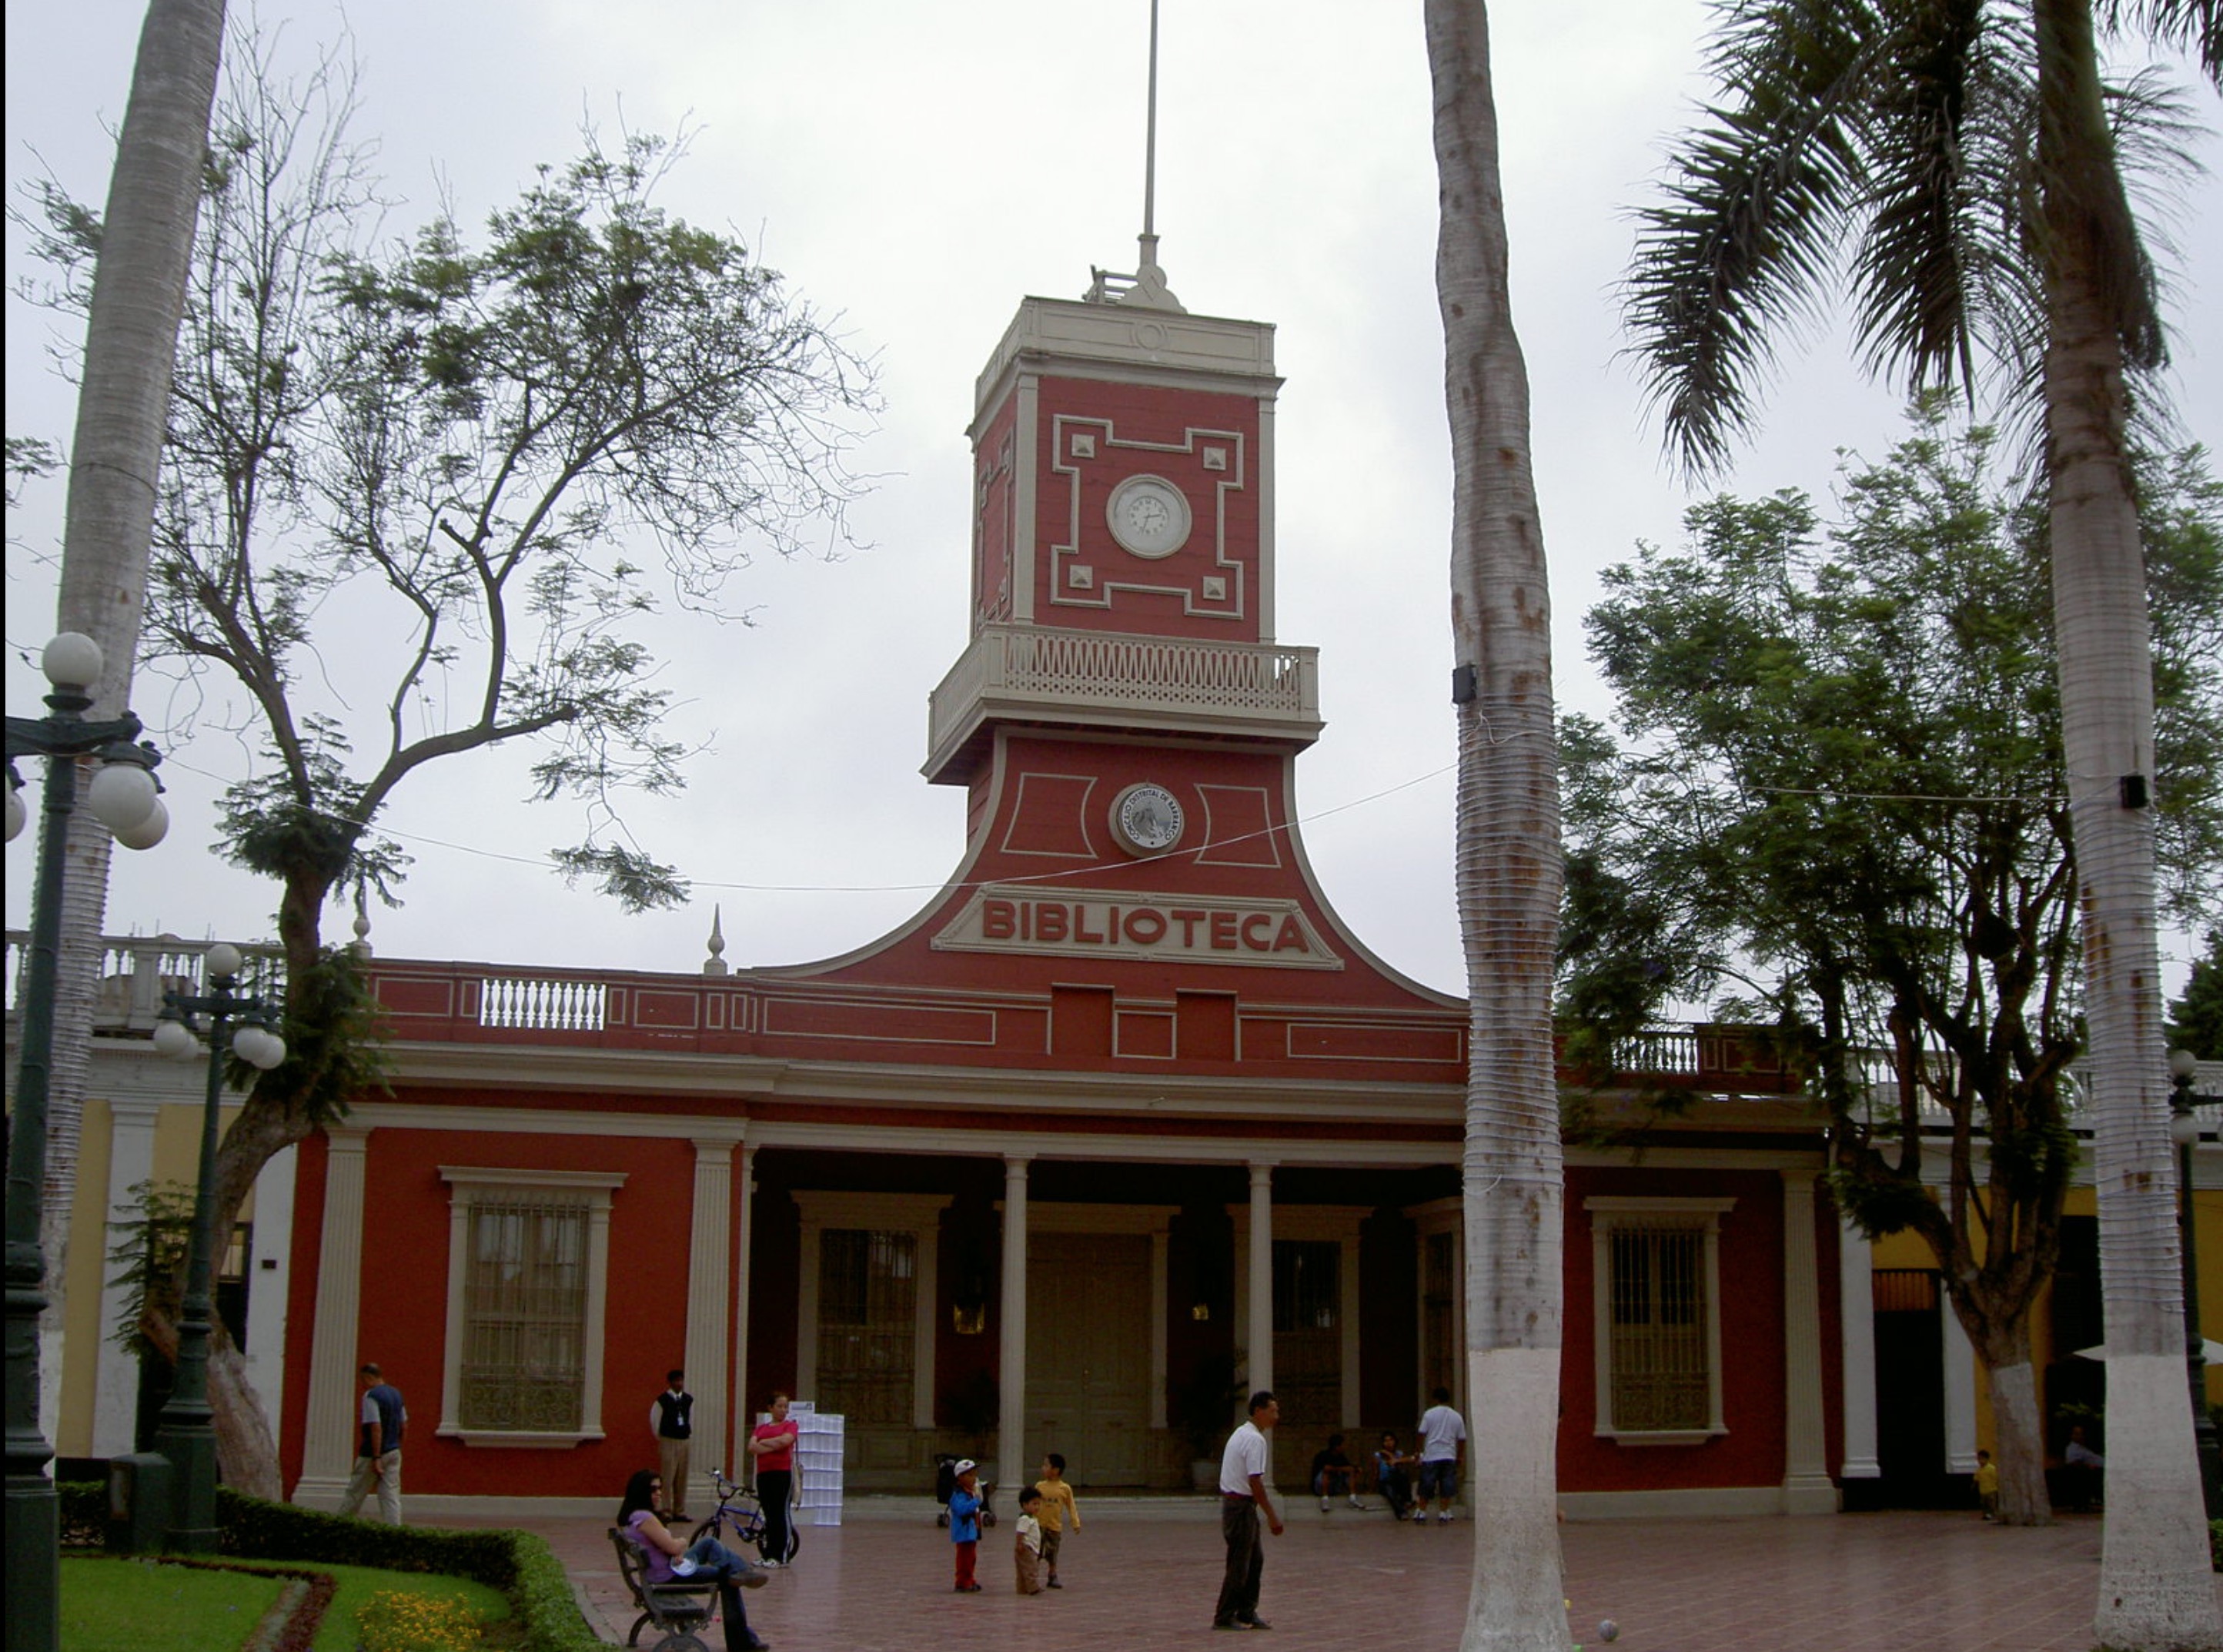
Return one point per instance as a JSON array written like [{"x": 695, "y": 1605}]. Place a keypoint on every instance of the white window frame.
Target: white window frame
[
  {"x": 468, "y": 1185},
  {"x": 1703, "y": 1216}
]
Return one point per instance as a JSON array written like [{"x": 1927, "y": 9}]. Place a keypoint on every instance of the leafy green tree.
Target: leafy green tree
[
  {"x": 1509, "y": 866},
  {"x": 455, "y": 449},
  {"x": 1947, "y": 169},
  {"x": 1843, "y": 803},
  {"x": 2196, "y": 1020}
]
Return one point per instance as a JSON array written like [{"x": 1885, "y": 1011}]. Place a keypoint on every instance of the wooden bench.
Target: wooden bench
[{"x": 676, "y": 1609}]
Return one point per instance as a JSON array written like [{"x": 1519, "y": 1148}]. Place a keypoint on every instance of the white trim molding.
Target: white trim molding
[
  {"x": 1807, "y": 1488},
  {"x": 328, "y": 1452},
  {"x": 1856, "y": 1327},
  {"x": 470, "y": 1184},
  {"x": 1703, "y": 1216}
]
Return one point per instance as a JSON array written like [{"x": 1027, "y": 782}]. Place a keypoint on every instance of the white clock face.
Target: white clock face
[
  {"x": 1149, "y": 516},
  {"x": 1146, "y": 819}
]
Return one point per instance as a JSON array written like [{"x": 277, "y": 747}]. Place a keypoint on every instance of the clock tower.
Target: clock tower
[{"x": 1122, "y": 537}]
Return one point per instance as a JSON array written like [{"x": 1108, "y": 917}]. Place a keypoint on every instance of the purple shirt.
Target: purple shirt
[{"x": 659, "y": 1563}]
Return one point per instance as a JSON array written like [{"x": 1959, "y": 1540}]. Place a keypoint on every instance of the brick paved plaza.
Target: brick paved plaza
[{"x": 1143, "y": 1573}]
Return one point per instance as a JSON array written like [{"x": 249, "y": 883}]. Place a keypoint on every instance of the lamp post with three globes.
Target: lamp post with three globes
[
  {"x": 240, "y": 1026},
  {"x": 122, "y": 796}
]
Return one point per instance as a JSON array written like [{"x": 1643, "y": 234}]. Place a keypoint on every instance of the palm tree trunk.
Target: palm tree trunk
[
  {"x": 1508, "y": 873},
  {"x": 2154, "y": 1587},
  {"x": 130, "y": 347}
]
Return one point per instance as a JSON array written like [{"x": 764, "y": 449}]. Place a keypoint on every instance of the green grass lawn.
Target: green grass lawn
[
  {"x": 126, "y": 1606},
  {"x": 130, "y": 1606}
]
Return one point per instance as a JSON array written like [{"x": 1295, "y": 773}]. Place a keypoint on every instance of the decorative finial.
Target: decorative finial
[
  {"x": 361, "y": 945},
  {"x": 715, "y": 964}
]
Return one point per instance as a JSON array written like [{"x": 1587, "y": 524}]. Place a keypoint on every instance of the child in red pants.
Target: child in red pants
[{"x": 965, "y": 1502}]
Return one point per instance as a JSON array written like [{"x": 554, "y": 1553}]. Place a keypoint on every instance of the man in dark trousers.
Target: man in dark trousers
[
  {"x": 378, "y": 1446},
  {"x": 1242, "y": 1470},
  {"x": 672, "y": 1421}
]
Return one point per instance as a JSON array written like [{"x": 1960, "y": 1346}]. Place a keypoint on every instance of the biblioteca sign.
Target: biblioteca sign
[{"x": 1091, "y": 923}]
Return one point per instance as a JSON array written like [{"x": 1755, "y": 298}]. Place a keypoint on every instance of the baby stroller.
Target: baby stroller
[{"x": 945, "y": 1482}]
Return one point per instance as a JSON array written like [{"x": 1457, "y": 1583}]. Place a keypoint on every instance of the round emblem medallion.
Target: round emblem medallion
[{"x": 1146, "y": 819}]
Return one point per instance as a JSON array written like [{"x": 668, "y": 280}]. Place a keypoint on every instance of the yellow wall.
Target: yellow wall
[
  {"x": 176, "y": 1159},
  {"x": 1910, "y": 1251}
]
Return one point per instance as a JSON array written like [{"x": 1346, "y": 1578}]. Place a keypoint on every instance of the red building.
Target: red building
[{"x": 1125, "y": 1114}]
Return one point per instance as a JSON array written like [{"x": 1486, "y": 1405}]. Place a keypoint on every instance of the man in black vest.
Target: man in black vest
[{"x": 672, "y": 1421}]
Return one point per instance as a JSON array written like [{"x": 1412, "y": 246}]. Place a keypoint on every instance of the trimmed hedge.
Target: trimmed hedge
[{"x": 518, "y": 1563}]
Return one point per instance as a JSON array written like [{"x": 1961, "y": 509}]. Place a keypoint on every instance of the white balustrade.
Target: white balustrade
[{"x": 542, "y": 1003}]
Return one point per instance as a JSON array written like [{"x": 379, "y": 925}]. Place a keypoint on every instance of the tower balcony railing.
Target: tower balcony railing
[{"x": 1105, "y": 678}]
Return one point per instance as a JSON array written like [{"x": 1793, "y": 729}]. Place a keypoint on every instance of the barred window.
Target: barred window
[
  {"x": 1307, "y": 1285},
  {"x": 526, "y": 1313},
  {"x": 1659, "y": 1329},
  {"x": 867, "y": 1310},
  {"x": 1658, "y": 1317},
  {"x": 528, "y": 1253}
]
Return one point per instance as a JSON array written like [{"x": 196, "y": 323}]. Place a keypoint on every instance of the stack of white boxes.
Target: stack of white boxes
[{"x": 817, "y": 1464}]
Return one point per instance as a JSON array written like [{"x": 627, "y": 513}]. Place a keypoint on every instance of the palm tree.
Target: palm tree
[
  {"x": 131, "y": 337},
  {"x": 1959, "y": 152},
  {"x": 1508, "y": 871}
]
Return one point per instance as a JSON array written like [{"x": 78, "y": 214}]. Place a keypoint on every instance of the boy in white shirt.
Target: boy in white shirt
[
  {"x": 1026, "y": 1546},
  {"x": 1443, "y": 1443}
]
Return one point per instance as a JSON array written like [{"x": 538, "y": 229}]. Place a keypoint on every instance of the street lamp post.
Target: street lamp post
[
  {"x": 2184, "y": 1130},
  {"x": 186, "y": 1433},
  {"x": 122, "y": 796}
]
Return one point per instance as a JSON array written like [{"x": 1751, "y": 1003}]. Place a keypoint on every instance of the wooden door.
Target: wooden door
[{"x": 1088, "y": 1356}]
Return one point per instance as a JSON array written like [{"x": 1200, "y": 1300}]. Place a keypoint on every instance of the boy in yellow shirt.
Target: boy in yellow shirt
[
  {"x": 1057, "y": 1507},
  {"x": 1988, "y": 1485}
]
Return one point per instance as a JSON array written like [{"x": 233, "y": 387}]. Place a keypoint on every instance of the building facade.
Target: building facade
[{"x": 1124, "y": 1122}]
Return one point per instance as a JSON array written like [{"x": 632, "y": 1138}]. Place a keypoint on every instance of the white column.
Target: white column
[
  {"x": 1011, "y": 1374},
  {"x": 269, "y": 1288},
  {"x": 1261, "y": 1260},
  {"x": 1806, "y": 1485},
  {"x": 709, "y": 1240},
  {"x": 328, "y": 1451},
  {"x": 1856, "y": 1318},
  {"x": 130, "y": 1161},
  {"x": 744, "y": 1402},
  {"x": 1959, "y": 1390}
]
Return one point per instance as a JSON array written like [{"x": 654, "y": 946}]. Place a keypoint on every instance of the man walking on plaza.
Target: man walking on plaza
[
  {"x": 378, "y": 1448},
  {"x": 1242, "y": 1470},
  {"x": 672, "y": 1418},
  {"x": 1443, "y": 1442}
]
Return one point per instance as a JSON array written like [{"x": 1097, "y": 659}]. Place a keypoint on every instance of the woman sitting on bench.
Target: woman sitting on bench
[{"x": 708, "y": 1559}]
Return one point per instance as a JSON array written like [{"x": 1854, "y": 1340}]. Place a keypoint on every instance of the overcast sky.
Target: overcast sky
[{"x": 919, "y": 169}]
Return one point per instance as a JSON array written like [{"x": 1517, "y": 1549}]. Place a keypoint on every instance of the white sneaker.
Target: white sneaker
[
  {"x": 1322, "y": 1505},
  {"x": 1443, "y": 1519},
  {"x": 682, "y": 1568},
  {"x": 1356, "y": 1504}
]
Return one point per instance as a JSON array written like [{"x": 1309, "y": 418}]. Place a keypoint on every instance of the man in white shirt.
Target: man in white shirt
[
  {"x": 1443, "y": 1443},
  {"x": 1242, "y": 1470}
]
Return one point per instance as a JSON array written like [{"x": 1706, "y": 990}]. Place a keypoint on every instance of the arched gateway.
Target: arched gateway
[{"x": 1123, "y": 1119}]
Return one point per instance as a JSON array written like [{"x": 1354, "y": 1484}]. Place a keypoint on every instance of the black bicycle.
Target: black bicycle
[{"x": 739, "y": 1518}]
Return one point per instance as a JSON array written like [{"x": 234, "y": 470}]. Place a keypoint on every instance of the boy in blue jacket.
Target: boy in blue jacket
[{"x": 965, "y": 1524}]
